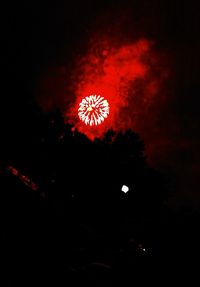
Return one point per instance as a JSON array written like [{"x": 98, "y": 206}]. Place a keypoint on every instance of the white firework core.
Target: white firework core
[{"x": 93, "y": 110}]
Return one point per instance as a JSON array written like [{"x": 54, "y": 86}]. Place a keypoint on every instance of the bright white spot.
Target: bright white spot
[
  {"x": 93, "y": 110},
  {"x": 144, "y": 249},
  {"x": 125, "y": 188}
]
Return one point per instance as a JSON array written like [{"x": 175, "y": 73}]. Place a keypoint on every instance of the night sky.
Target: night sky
[
  {"x": 44, "y": 45},
  {"x": 41, "y": 39}
]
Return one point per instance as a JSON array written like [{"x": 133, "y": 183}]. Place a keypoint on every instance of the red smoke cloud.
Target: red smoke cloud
[{"x": 129, "y": 76}]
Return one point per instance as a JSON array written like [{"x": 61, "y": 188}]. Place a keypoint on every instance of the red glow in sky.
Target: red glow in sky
[
  {"x": 129, "y": 75},
  {"x": 123, "y": 74}
]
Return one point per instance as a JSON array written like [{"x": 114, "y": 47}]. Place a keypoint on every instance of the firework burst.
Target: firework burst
[{"x": 93, "y": 110}]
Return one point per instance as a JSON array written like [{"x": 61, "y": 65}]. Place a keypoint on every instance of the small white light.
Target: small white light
[{"x": 125, "y": 188}]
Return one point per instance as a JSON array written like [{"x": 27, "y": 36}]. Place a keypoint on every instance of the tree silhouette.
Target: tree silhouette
[{"x": 85, "y": 218}]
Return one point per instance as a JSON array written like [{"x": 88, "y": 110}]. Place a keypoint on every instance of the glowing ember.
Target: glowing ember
[
  {"x": 23, "y": 178},
  {"x": 93, "y": 110}
]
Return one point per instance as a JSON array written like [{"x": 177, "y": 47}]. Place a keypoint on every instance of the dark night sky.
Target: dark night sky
[{"x": 35, "y": 36}]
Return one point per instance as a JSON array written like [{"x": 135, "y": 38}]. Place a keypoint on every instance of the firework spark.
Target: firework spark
[{"x": 93, "y": 110}]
